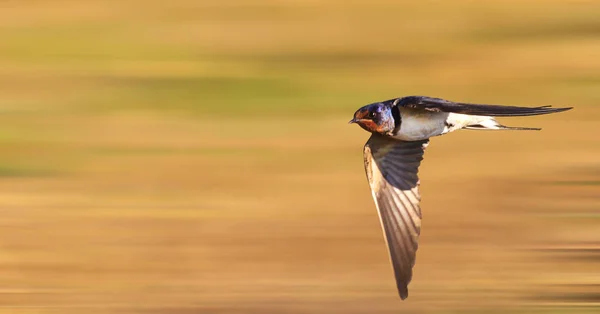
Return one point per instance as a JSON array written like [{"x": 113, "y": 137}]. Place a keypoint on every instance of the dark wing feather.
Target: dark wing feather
[
  {"x": 437, "y": 104},
  {"x": 391, "y": 166}
]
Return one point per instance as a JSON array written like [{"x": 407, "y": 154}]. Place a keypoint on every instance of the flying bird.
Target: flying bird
[{"x": 401, "y": 129}]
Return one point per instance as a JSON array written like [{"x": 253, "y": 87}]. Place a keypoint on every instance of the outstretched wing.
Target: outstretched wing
[
  {"x": 437, "y": 104},
  {"x": 391, "y": 166}
]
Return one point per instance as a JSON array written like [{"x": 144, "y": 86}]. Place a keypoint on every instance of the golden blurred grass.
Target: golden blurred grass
[{"x": 194, "y": 157}]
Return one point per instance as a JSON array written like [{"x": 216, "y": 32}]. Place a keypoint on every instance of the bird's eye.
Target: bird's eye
[{"x": 372, "y": 114}]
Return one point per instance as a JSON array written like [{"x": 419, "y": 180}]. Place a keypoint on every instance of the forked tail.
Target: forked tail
[{"x": 491, "y": 124}]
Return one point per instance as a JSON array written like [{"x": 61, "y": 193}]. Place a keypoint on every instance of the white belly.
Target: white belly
[{"x": 419, "y": 124}]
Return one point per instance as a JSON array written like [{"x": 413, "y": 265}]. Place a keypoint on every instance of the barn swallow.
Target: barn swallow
[{"x": 401, "y": 129}]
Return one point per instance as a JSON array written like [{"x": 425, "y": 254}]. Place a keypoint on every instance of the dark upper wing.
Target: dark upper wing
[
  {"x": 392, "y": 167},
  {"x": 437, "y": 104}
]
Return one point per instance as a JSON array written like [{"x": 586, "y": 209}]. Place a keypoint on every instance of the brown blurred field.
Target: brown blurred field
[{"x": 194, "y": 157}]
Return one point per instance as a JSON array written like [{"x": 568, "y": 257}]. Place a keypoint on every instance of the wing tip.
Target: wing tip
[
  {"x": 553, "y": 109},
  {"x": 532, "y": 111},
  {"x": 403, "y": 292}
]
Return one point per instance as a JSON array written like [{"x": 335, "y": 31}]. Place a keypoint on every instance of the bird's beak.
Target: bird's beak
[{"x": 352, "y": 121}]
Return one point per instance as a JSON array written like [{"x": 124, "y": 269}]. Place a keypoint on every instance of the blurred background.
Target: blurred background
[{"x": 194, "y": 156}]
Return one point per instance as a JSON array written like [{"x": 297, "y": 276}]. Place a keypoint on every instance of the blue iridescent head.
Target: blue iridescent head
[{"x": 375, "y": 118}]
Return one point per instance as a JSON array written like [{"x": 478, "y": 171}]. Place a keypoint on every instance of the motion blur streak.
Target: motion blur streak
[{"x": 194, "y": 156}]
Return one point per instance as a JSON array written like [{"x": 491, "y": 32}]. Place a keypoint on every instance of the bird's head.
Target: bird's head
[{"x": 375, "y": 118}]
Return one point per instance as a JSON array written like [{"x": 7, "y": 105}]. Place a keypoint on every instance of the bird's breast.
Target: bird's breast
[{"x": 418, "y": 125}]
